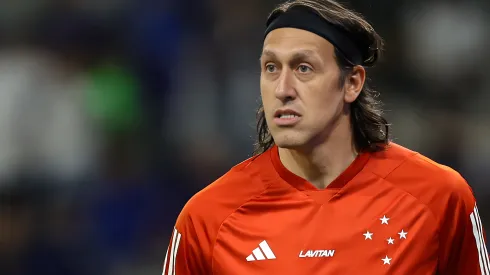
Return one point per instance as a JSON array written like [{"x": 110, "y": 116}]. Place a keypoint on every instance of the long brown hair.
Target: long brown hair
[{"x": 370, "y": 128}]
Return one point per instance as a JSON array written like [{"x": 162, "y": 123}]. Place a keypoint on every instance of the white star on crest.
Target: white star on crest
[
  {"x": 391, "y": 240},
  {"x": 384, "y": 220},
  {"x": 368, "y": 235},
  {"x": 403, "y": 235},
  {"x": 386, "y": 260}
]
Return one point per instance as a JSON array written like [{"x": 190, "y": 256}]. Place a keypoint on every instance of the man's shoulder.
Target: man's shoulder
[
  {"x": 239, "y": 182},
  {"x": 432, "y": 183},
  {"x": 408, "y": 167},
  {"x": 226, "y": 194}
]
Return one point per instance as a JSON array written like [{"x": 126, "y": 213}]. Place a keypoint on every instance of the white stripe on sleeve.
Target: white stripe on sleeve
[
  {"x": 171, "y": 264},
  {"x": 480, "y": 242}
]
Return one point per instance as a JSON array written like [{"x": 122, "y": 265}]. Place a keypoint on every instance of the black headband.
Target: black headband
[{"x": 304, "y": 18}]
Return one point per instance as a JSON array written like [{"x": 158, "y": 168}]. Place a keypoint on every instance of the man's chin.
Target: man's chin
[
  {"x": 289, "y": 143},
  {"x": 293, "y": 140}
]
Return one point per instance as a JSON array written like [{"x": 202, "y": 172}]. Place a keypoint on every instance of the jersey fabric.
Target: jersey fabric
[{"x": 390, "y": 212}]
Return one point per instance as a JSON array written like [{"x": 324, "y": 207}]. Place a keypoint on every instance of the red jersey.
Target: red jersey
[{"x": 390, "y": 212}]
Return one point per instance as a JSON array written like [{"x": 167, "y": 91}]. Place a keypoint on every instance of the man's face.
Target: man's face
[{"x": 300, "y": 89}]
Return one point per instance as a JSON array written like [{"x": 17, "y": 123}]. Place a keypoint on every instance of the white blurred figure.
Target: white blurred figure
[
  {"x": 45, "y": 133},
  {"x": 445, "y": 39}
]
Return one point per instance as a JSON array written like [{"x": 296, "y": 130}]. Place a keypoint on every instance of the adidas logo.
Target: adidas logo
[{"x": 263, "y": 252}]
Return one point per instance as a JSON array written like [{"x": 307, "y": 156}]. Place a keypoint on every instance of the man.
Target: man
[{"x": 327, "y": 192}]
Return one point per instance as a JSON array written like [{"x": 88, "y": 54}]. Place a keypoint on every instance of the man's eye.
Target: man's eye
[
  {"x": 304, "y": 69},
  {"x": 270, "y": 68}
]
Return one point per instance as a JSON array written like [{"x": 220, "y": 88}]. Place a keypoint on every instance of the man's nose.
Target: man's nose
[{"x": 285, "y": 89}]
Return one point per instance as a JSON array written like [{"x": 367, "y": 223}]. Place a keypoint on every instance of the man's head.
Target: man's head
[{"x": 313, "y": 81}]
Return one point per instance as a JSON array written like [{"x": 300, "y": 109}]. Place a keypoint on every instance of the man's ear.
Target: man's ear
[{"x": 354, "y": 83}]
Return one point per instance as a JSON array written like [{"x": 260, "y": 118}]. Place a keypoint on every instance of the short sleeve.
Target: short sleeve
[
  {"x": 462, "y": 237},
  {"x": 189, "y": 250}
]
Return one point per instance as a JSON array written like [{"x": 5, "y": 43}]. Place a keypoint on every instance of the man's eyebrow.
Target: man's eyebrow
[
  {"x": 267, "y": 53},
  {"x": 301, "y": 54}
]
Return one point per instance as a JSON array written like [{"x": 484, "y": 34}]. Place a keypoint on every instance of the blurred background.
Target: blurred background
[{"x": 114, "y": 113}]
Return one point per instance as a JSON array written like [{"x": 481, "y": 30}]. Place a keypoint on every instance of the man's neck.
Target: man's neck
[{"x": 323, "y": 163}]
